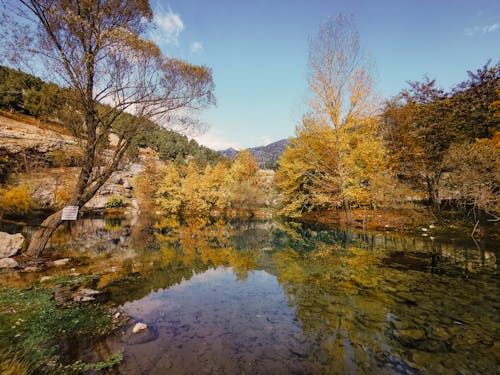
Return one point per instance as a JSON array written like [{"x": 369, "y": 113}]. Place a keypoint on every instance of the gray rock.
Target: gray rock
[
  {"x": 110, "y": 189},
  {"x": 85, "y": 295},
  {"x": 97, "y": 203},
  {"x": 60, "y": 262},
  {"x": 31, "y": 269},
  {"x": 44, "y": 197},
  {"x": 117, "y": 178},
  {"x": 8, "y": 263},
  {"x": 127, "y": 185},
  {"x": 10, "y": 244},
  {"x": 134, "y": 168}
]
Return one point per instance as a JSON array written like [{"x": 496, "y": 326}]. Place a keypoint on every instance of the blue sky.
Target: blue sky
[{"x": 258, "y": 52}]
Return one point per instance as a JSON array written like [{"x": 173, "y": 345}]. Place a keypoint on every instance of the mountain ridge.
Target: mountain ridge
[{"x": 266, "y": 156}]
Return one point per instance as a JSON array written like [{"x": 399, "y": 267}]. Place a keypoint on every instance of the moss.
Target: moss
[{"x": 31, "y": 322}]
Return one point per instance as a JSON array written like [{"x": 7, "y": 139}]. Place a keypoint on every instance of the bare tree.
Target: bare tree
[
  {"x": 96, "y": 49},
  {"x": 341, "y": 99}
]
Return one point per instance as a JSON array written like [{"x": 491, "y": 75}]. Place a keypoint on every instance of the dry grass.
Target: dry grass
[
  {"x": 12, "y": 363},
  {"x": 45, "y": 125}
]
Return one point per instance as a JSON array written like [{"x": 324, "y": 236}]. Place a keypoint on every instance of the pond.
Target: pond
[{"x": 271, "y": 297}]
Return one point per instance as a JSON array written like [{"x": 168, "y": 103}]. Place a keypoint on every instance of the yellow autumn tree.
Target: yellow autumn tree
[
  {"x": 213, "y": 190},
  {"x": 168, "y": 195},
  {"x": 295, "y": 180},
  {"x": 338, "y": 157},
  {"x": 342, "y": 104},
  {"x": 190, "y": 187},
  {"x": 243, "y": 183}
]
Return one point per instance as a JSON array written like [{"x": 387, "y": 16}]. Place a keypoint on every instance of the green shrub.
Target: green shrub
[{"x": 115, "y": 201}]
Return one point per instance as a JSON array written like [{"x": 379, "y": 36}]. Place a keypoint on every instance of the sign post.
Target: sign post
[{"x": 69, "y": 213}]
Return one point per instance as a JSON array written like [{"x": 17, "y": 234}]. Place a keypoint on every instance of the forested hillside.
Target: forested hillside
[{"x": 26, "y": 94}]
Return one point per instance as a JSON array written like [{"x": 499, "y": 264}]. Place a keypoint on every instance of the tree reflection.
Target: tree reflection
[{"x": 365, "y": 302}]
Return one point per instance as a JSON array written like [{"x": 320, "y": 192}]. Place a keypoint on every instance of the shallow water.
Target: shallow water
[{"x": 272, "y": 297}]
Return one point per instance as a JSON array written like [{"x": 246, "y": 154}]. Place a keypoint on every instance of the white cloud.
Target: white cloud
[
  {"x": 215, "y": 140},
  {"x": 486, "y": 29},
  {"x": 196, "y": 47},
  {"x": 170, "y": 25}
]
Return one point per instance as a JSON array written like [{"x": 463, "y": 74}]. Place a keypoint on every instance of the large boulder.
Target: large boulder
[
  {"x": 8, "y": 263},
  {"x": 10, "y": 244}
]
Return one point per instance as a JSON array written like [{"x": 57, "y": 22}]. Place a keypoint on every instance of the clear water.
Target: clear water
[{"x": 282, "y": 298}]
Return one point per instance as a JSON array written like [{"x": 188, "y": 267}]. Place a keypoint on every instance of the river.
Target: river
[{"x": 275, "y": 297}]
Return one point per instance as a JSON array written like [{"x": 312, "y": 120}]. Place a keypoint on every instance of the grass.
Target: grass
[{"x": 32, "y": 325}]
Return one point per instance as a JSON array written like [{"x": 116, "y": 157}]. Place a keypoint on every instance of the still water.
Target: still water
[{"x": 269, "y": 297}]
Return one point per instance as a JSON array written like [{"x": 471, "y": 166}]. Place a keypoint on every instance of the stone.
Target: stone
[
  {"x": 85, "y": 295},
  {"x": 10, "y": 244},
  {"x": 127, "y": 185},
  {"x": 8, "y": 263},
  {"x": 116, "y": 178},
  {"x": 97, "y": 203},
  {"x": 60, "y": 262},
  {"x": 139, "y": 327},
  {"x": 441, "y": 334},
  {"x": 44, "y": 197},
  {"x": 62, "y": 295},
  {"x": 45, "y": 278},
  {"x": 31, "y": 269},
  {"x": 408, "y": 336},
  {"x": 496, "y": 350}
]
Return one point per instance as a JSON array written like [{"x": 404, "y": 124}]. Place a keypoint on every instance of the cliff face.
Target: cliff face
[
  {"x": 17, "y": 136},
  {"x": 25, "y": 146},
  {"x": 46, "y": 161}
]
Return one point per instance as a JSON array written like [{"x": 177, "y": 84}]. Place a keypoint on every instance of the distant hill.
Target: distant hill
[
  {"x": 266, "y": 156},
  {"x": 229, "y": 153}
]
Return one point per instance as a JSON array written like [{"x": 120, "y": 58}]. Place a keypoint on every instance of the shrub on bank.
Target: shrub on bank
[{"x": 16, "y": 200}]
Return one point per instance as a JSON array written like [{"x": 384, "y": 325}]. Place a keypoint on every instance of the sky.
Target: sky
[{"x": 258, "y": 52}]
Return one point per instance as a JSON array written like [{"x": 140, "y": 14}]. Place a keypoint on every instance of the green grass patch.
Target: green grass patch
[{"x": 33, "y": 324}]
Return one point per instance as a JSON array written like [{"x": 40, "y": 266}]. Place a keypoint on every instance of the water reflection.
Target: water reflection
[{"x": 274, "y": 297}]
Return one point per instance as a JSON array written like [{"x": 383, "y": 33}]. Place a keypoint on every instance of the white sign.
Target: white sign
[{"x": 69, "y": 213}]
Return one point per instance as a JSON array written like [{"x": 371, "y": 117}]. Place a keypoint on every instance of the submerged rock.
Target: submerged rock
[
  {"x": 8, "y": 263},
  {"x": 139, "y": 327},
  {"x": 10, "y": 244},
  {"x": 408, "y": 336},
  {"x": 140, "y": 334}
]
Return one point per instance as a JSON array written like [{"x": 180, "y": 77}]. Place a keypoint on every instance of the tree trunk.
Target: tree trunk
[
  {"x": 347, "y": 210},
  {"x": 43, "y": 234}
]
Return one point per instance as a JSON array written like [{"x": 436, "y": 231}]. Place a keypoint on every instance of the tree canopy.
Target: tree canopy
[{"x": 97, "y": 50}]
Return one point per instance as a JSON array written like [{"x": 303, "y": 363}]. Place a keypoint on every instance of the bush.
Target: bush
[
  {"x": 65, "y": 158},
  {"x": 16, "y": 200},
  {"x": 115, "y": 201}
]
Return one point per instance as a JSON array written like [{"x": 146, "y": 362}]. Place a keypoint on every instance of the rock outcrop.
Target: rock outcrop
[{"x": 10, "y": 244}]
